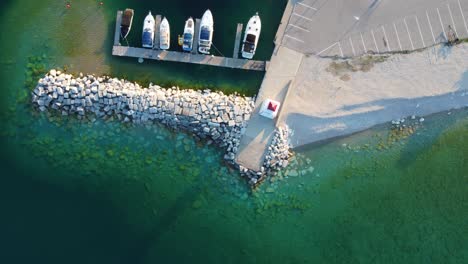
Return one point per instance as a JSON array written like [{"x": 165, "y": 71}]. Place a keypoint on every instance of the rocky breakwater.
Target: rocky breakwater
[
  {"x": 276, "y": 158},
  {"x": 212, "y": 116}
]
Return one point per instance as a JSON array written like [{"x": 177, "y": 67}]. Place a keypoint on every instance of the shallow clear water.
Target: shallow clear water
[{"x": 75, "y": 192}]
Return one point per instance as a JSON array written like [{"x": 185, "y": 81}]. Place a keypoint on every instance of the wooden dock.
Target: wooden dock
[
  {"x": 179, "y": 56},
  {"x": 186, "y": 57},
  {"x": 156, "y": 32},
  {"x": 118, "y": 21},
  {"x": 195, "y": 36},
  {"x": 235, "y": 54}
]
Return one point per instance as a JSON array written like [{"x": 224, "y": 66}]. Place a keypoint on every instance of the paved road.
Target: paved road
[{"x": 350, "y": 28}]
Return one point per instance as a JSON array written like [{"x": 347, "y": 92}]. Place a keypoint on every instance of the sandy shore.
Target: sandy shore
[{"x": 335, "y": 98}]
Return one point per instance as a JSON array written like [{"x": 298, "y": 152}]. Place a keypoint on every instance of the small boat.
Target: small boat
[
  {"x": 126, "y": 25},
  {"x": 164, "y": 35},
  {"x": 206, "y": 33},
  {"x": 252, "y": 33},
  {"x": 148, "y": 31},
  {"x": 188, "y": 35},
  {"x": 180, "y": 40}
]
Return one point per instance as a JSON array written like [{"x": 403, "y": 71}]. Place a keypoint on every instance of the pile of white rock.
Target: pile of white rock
[
  {"x": 276, "y": 158},
  {"x": 212, "y": 116}
]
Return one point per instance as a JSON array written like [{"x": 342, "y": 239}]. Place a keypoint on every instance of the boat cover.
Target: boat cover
[
  {"x": 147, "y": 39},
  {"x": 127, "y": 17},
  {"x": 205, "y": 33},
  {"x": 188, "y": 39}
]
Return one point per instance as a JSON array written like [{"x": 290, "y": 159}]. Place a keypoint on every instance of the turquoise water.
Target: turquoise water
[{"x": 105, "y": 192}]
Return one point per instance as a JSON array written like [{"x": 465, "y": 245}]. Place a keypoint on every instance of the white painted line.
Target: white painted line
[
  {"x": 364, "y": 45},
  {"x": 301, "y": 28},
  {"x": 386, "y": 39},
  {"x": 463, "y": 16},
  {"x": 352, "y": 46},
  {"x": 294, "y": 38},
  {"x": 341, "y": 51},
  {"x": 306, "y": 18},
  {"x": 409, "y": 35},
  {"x": 375, "y": 42},
  {"x": 451, "y": 17},
  {"x": 420, "y": 32},
  {"x": 432, "y": 31},
  {"x": 313, "y": 8},
  {"x": 442, "y": 24},
  {"x": 398, "y": 38},
  {"x": 327, "y": 48}
]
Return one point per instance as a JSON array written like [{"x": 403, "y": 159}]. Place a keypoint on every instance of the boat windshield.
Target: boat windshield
[
  {"x": 205, "y": 33},
  {"x": 204, "y": 43},
  {"x": 147, "y": 38},
  {"x": 250, "y": 38}
]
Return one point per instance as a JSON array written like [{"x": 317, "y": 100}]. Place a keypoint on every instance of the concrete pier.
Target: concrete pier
[
  {"x": 179, "y": 56},
  {"x": 260, "y": 130},
  {"x": 237, "y": 41}
]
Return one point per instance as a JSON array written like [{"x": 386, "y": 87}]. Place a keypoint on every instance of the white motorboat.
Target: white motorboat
[
  {"x": 188, "y": 35},
  {"x": 252, "y": 33},
  {"x": 148, "y": 31},
  {"x": 126, "y": 24},
  {"x": 164, "y": 35},
  {"x": 205, "y": 36}
]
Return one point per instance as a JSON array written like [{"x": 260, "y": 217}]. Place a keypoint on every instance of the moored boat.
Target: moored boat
[
  {"x": 188, "y": 35},
  {"x": 251, "y": 36},
  {"x": 148, "y": 31},
  {"x": 126, "y": 25},
  {"x": 164, "y": 35},
  {"x": 205, "y": 36}
]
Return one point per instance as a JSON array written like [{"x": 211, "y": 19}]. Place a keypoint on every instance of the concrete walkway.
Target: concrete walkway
[
  {"x": 325, "y": 103},
  {"x": 254, "y": 143},
  {"x": 324, "y": 98}
]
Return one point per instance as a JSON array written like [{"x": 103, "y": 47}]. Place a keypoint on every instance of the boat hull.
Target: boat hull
[
  {"x": 187, "y": 42},
  {"x": 127, "y": 20},
  {"x": 164, "y": 35},
  {"x": 251, "y": 36},
  {"x": 148, "y": 31},
  {"x": 205, "y": 36}
]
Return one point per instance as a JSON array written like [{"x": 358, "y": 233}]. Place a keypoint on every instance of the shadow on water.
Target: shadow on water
[
  {"x": 50, "y": 223},
  {"x": 165, "y": 223}
]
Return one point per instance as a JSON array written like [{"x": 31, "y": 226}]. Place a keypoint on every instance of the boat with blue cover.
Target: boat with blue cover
[
  {"x": 187, "y": 42},
  {"x": 148, "y": 31}
]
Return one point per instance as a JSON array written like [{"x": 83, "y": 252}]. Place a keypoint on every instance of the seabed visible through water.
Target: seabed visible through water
[{"x": 105, "y": 192}]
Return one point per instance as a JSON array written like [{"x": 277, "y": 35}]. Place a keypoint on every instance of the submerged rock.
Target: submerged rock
[{"x": 218, "y": 118}]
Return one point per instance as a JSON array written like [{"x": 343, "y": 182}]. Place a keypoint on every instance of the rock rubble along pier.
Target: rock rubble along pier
[{"x": 212, "y": 116}]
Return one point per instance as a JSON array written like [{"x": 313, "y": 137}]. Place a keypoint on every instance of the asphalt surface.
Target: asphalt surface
[{"x": 354, "y": 27}]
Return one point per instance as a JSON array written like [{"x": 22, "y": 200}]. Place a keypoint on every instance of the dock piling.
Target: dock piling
[{"x": 237, "y": 41}]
